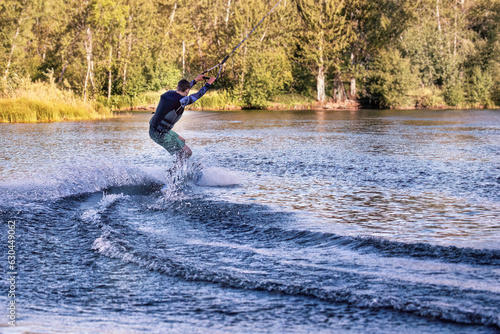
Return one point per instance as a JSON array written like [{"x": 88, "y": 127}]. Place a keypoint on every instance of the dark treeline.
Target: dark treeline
[{"x": 392, "y": 53}]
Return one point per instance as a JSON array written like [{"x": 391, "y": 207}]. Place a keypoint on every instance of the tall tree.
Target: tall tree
[
  {"x": 438, "y": 45},
  {"x": 327, "y": 32},
  {"x": 378, "y": 25},
  {"x": 15, "y": 17},
  {"x": 108, "y": 18}
]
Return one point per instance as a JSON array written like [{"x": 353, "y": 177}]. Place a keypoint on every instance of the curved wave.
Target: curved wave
[
  {"x": 386, "y": 247},
  {"x": 247, "y": 221},
  {"x": 426, "y": 307},
  {"x": 269, "y": 271},
  {"x": 252, "y": 221}
]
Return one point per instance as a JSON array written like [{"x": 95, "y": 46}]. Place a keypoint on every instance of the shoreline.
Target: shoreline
[
  {"x": 348, "y": 105},
  {"x": 52, "y": 115},
  {"x": 330, "y": 106}
]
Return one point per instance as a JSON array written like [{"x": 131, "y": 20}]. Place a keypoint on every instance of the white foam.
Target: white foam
[
  {"x": 94, "y": 215},
  {"x": 218, "y": 177},
  {"x": 78, "y": 177}
]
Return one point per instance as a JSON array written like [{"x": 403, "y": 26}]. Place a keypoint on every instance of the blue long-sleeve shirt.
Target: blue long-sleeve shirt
[{"x": 194, "y": 97}]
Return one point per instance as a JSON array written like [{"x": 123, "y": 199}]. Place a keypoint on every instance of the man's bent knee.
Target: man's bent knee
[
  {"x": 184, "y": 153},
  {"x": 187, "y": 151}
]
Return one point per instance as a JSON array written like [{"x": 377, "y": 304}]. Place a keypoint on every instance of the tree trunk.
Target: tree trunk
[
  {"x": 455, "y": 33},
  {"x": 228, "y": 12},
  {"x": 62, "y": 72},
  {"x": 339, "y": 93},
  {"x": 171, "y": 20},
  {"x": 90, "y": 64},
  {"x": 173, "y": 14},
  {"x": 200, "y": 52},
  {"x": 119, "y": 48},
  {"x": 127, "y": 58},
  {"x": 438, "y": 17},
  {"x": 262, "y": 38},
  {"x": 320, "y": 78},
  {"x": 320, "y": 84},
  {"x": 245, "y": 50},
  {"x": 109, "y": 73},
  {"x": 216, "y": 16},
  {"x": 353, "y": 88},
  {"x": 183, "y": 58},
  {"x": 85, "y": 85},
  {"x": 9, "y": 60}
]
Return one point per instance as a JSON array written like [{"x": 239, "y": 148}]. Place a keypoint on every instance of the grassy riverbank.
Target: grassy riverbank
[
  {"x": 220, "y": 100},
  {"x": 28, "y": 102},
  {"x": 224, "y": 100},
  {"x": 24, "y": 110}
]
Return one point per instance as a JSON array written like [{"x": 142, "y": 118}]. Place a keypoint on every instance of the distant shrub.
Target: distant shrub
[
  {"x": 269, "y": 77},
  {"x": 161, "y": 75},
  {"x": 292, "y": 100},
  {"x": 390, "y": 80},
  {"x": 219, "y": 100},
  {"x": 454, "y": 94},
  {"x": 255, "y": 97},
  {"x": 431, "y": 97},
  {"x": 495, "y": 73},
  {"x": 118, "y": 102},
  {"x": 478, "y": 87}
]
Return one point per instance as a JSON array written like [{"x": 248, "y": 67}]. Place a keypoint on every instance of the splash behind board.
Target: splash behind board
[{"x": 196, "y": 174}]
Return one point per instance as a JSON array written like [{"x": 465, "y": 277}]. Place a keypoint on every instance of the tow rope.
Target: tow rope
[{"x": 237, "y": 46}]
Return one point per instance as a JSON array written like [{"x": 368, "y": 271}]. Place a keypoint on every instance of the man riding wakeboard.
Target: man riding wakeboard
[{"x": 169, "y": 111}]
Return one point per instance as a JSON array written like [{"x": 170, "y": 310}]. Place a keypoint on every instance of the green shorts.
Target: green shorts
[{"x": 168, "y": 140}]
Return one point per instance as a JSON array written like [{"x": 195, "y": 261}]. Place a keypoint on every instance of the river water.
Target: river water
[{"x": 302, "y": 221}]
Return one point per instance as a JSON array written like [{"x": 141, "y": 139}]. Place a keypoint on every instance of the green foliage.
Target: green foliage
[
  {"x": 108, "y": 15},
  {"x": 478, "y": 87},
  {"x": 326, "y": 33},
  {"x": 495, "y": 94},
  {"x": 378, "y": 23},
  {"x": 485, "y": 20},
  {"x": 119, "y": 102},
  {"x": 391, "y": 80},
  {"x": 454, "y": 94},
  {"x": 161, "y": 76},
  {"x": 218, "y": 100},
  {"x": 290, "y": 101},
  {"x": 427, "y": 97},
  {"x": 269, "y": 75},
  {"x": 116, "y": 102},
  {"x": 126, "y": 48}
]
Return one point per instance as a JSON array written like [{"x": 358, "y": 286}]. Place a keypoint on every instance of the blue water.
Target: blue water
[{"x": 303, "y": 221}]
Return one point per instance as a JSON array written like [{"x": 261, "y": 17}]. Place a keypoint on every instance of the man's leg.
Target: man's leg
[
  {"x": 173, "y": 143},
  {"x": 182, "y": 154}
]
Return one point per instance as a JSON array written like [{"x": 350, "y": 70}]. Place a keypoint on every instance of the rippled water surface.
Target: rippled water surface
[{"x": 302, "y": 221}]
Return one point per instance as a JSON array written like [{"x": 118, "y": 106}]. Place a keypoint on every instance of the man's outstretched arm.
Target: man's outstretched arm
[{"x": 196, "y": 96}]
